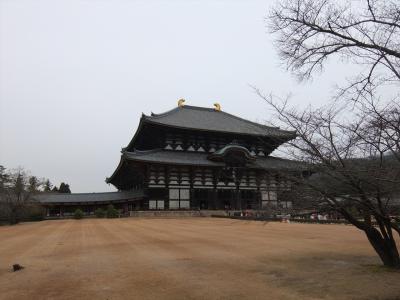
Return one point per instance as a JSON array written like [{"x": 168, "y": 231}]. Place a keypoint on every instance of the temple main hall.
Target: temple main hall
[{"x": 195, "y": 158}]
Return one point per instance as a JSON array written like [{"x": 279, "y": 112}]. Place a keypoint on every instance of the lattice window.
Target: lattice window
[
  {"x": 173, "y": 204},
  {"x": 179, "y": 198},
  {"x": 174, "y": 194},
  {"x": 160, "y": 204},
  {"x": 269, "y": 199}
]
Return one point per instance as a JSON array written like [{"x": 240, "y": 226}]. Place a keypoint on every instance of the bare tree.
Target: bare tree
[
  {"x": 16, "y": 190},
  {"x": 356, "y": 174},
  {"x": 14, "y": 196},
  {"x": 365, "y": 32},
  {"x": 354, "y": 151}
]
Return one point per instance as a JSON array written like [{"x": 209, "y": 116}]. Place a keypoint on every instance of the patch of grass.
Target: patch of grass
[{"x": 380, "y": 269}]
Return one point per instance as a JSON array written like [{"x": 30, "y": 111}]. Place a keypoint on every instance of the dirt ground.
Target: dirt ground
[{"x": 193, "y": 258}]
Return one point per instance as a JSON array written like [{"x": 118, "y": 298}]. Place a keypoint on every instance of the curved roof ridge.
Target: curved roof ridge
[
  {"x": 166, "y": 113},
  {"x": 198, "y": 107},
  {"x": 219, "y": 154},
  {"x": 232, "y": 145},
  {"x": 143, "y": 152},
  {"x": 181, "y": 107}
]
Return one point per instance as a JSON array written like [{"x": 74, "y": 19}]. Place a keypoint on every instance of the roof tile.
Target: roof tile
[{"x": 201, "y": 118}]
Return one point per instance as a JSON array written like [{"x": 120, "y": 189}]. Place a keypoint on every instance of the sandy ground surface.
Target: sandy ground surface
[{"x": 193, "y": 258}]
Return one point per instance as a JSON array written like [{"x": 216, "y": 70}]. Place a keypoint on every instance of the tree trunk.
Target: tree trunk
[
  {"x": 12, "y": 217},
  {"x": 386, "y": 249}
]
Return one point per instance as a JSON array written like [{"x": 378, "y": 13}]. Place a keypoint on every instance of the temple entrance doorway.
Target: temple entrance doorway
[
  {"x": 249, "y": 199},
  {"x": 202, "y": 198},
  {"x": 226, "y": 198}
]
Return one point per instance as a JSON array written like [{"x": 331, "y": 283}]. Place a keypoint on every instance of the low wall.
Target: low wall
[
  {"x": 281, "y": 219},
  {"x": 177, "y": 213}
]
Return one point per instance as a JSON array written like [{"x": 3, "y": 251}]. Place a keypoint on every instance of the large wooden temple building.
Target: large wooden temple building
[{"x": 192, "y": 158}]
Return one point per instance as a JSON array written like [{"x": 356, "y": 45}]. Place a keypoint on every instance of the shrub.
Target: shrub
[
  {"x": 25, "y": 212},
  {"x": 78, "y": 214},
  {"x": 34, "y": 212},
  {"x": 112, "y": 212},
  {"x": 100, "y": 213}
]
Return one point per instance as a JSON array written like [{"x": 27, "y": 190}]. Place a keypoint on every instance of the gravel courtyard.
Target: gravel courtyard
[{"x": 192, "y": 258}]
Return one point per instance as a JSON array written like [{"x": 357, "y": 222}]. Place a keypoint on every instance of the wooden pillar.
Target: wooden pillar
[
  {"x": 232, "y": 201},
  {"x": 238, "y": 199},
  {"x": 215, "y": 198},
  {"x": 193, "y": 202},
  {"x": 213, "y": 203},
  {"x": 216, "y": 201}
]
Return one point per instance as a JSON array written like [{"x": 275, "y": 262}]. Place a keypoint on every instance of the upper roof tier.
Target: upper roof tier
[{"x": 209, "y": 119}]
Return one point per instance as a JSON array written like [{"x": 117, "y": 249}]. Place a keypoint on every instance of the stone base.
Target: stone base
[{"x": 177, "y": 213}]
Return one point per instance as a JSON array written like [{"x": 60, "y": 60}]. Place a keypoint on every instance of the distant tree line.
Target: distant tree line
[{"x": 17, "y": 188}]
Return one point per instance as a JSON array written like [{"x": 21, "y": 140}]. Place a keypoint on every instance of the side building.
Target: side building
[{"x": 64, "y": 205}]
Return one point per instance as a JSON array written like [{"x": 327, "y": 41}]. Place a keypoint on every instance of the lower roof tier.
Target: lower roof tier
[
  {"x": 202, "y": 159},
  {"x": 196, "y": 159}
]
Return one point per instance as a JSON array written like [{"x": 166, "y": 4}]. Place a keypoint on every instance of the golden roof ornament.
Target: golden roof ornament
[
  {"x": 217, "y": 106},
  {"x": 181, "y": 102}
]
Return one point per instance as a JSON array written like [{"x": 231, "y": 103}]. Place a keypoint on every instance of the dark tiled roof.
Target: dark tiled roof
[
  {"x": 49, "y": 198},
  {"x": 276, "y": 163},
  {"x": 208, "y": 119},
  {"x": 221, "y": 153},
  {"x": 200, "y": 159},
  {"x": 171, "y": 157},
  {"x": 230, "y": 146}
]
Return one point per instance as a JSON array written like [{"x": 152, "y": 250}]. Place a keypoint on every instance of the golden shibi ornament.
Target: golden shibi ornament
[{"x": 181, "y": 102}]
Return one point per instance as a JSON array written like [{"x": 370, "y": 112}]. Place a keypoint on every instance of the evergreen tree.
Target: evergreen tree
[
  {"x": 33, "y": 184},
  {"x": 19, "y": 184},
  {"x": 64, "y": 188},
  {"x": 47, "y": 186}
]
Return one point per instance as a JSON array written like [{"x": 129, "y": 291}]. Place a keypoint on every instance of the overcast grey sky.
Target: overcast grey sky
[{"x": 75, "y": 76}]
